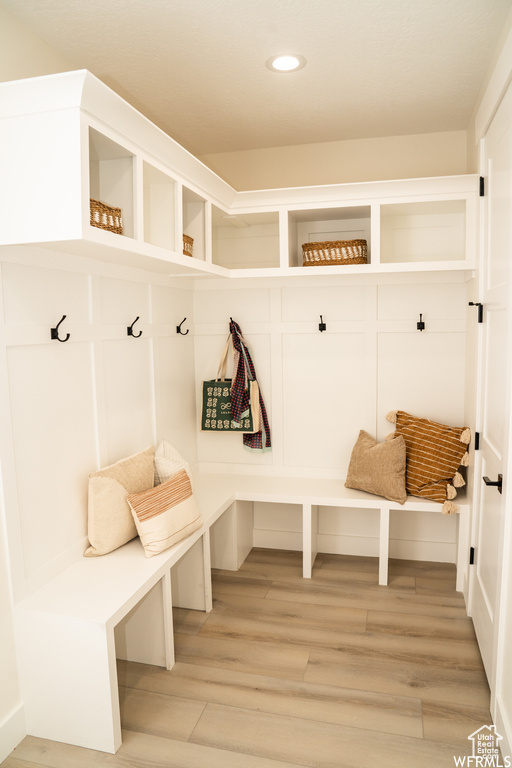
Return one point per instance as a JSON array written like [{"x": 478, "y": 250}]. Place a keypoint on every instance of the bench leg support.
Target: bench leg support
[
  {"x": 69, "y": 680},
  {"x": 168, "y": 621},
  {"x": 384, "y": 546},
  {"x": 309, "y": 538}
]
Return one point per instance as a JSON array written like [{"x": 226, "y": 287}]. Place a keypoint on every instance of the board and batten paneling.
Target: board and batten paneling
[
  {"x": 327, "y": 398},
  {"x": 52, "y": 413},
  {"x": 321, "y": 389},
  {"x": 126, "y": 366},
  {"x": 76, "y": 406},
  {"x": 252, "y": 310}
]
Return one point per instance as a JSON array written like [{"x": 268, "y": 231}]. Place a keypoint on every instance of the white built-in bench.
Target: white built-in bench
[{"x": 72, "y": 629}]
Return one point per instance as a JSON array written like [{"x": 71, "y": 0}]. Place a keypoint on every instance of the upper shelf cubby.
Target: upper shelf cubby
[
  {"x": 72, "y": 139},
  {"x": 245, "y": 240},
  {"x": 195, "y": 211},
  {"x": 111, "y": 177},
  {"x": 159, "y": 204},
  {"x": 432, "y": 231},
  {"x": 327, "y": 224}
]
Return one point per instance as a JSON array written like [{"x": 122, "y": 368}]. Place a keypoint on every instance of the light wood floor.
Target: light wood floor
[{"x": 332, "y": 672}]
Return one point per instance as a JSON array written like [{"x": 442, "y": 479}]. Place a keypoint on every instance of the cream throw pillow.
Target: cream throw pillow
[
  {"x": 168, "y": 461},
  {"x": 378, "y": 468},
  {"x": 110, "y": 522},
  {"x": 165, "y": 514}
]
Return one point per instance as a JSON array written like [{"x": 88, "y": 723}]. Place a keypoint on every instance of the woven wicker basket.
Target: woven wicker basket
[
  {"x": 106, "y": 217},
  {"x": 334, "y": 252},
  {"x": 188, "y": 245}
]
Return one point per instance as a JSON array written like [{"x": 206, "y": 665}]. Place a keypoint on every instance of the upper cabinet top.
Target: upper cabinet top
[{"x": 85, "y": 172}]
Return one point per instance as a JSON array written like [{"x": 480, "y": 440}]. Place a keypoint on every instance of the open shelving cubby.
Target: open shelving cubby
[
  {"x": 194, "y": 221},
  {"x": 159, "y": 196},
  {"x": 245, "y": 240},
  {"x": 111, "y": 177},
  {"x": 323, "y": 224},
  {"x": 430, "y": 231}
]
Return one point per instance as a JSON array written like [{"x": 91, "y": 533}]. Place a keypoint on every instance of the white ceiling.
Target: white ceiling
[{"x": 197, "y": 67}]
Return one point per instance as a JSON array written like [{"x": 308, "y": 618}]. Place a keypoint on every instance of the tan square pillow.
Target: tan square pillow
[
  {"x": 165, "y": 514},
  {"x": 434, "y": 454},
  {"x": 378, "y": 468},
  {"x": 110, "y": 521}
]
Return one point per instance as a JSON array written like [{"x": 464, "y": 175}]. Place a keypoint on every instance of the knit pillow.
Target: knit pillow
[
  {"x": 434, "y": 454},
  {"x": 378, "y": 467},
  {"x": 165, "y": 514}
]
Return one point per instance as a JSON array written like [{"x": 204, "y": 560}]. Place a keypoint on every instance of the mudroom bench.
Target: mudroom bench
[{"x": 72, "y": 629}]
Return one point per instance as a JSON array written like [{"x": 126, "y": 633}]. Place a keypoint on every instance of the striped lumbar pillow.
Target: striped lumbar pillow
[
  {"x": 165, "y": 514},
  {"x": 434, "y": 454}
]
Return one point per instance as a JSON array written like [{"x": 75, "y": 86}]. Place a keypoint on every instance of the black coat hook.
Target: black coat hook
[
  {"x": 480, "y": 309},
  {"x": 54, "y": 332},
  {"x": 322, "y": 326},
  {"x": 178, "y": 328},
  {"x": 130, "y": 332},
  {"x": 420, "y": 325}
]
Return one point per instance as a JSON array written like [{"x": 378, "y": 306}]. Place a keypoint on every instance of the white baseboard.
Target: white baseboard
[{"x": 12, "y": 731}]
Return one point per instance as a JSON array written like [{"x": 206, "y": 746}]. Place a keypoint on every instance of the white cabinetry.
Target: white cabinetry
[{"x": 70, "y": 138}]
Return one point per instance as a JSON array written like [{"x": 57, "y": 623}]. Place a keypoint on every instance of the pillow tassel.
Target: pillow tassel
[
  {"x": 450, "y": 492},
  {"x": 458, "y": 481},
  {"x": 449, "y": 508},
  {"x": 466, "y": 436},
  {"x": 465, "y": 460},
  {"x": 391, "y": 416}
]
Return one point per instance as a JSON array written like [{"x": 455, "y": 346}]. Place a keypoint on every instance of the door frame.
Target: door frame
[{"x": 502, "y": 654}]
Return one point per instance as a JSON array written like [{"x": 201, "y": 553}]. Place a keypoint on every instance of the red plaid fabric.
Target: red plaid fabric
[{"x": 243, "y": 370}]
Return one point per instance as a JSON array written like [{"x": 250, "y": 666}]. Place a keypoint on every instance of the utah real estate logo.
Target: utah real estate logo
[{"x": 486, "y": 750}]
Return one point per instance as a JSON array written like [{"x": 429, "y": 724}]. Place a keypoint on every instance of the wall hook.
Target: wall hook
[
  {"x": 420, "y": 325},
  {"x": 480, "y": 309},
  {"x": 178, "y": 328},
  {"x": 322, "y": 326},
  {"x": 54, "y": 332},
  {"x": 130, "y": 332}
]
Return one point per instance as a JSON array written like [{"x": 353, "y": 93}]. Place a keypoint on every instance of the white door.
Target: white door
[{"x": 494, "y": 385}]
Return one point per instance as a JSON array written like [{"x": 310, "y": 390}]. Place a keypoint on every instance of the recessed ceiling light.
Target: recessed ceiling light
[{"x": 286, "y": 63}]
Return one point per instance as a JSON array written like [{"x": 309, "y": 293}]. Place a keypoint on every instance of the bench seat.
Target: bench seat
[{"x": 67, "y": 631}]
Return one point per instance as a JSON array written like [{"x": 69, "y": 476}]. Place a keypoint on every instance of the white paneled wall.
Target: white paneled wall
[
  {"x": 75, "y": 406},
  {"x": 322, "y": 388}
]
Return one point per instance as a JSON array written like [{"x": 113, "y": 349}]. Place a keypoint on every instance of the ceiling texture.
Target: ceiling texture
[{"x": 197, "y": 69}]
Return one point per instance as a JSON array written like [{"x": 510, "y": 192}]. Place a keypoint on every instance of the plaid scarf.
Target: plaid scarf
[{"x": 243, "y": 370}]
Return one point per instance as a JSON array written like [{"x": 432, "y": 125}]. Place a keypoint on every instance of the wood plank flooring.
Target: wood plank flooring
[{"x": 332, "y": 672}]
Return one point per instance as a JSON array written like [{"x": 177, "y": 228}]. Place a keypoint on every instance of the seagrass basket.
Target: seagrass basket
[
  {"x": 188, "y": 245},
  {"x": 335, "y": 252},
  {"x": 106, "y": 217}
]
